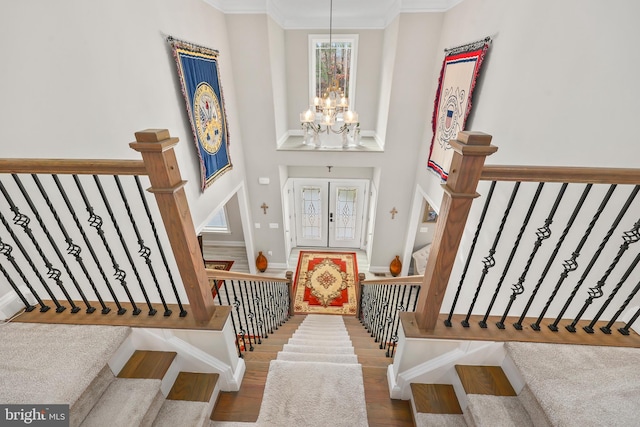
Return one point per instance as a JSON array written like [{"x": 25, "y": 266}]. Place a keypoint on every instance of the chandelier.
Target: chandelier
[{"x": 330, "y": 113}]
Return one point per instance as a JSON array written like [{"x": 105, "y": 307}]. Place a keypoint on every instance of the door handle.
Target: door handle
[{"x": 330, "y": 216}]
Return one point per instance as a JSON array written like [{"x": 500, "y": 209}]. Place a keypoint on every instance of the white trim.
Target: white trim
[
  {"x": 230, "y": 244},
  {"x": 324, "y": 38},
  {"x": 11, "y": 304}
]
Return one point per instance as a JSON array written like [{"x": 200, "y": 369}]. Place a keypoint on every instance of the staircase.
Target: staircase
[
  {"x": 541, "y": 385},
  {"x": 69, "y": 364},
  {"x": 535, "y": 385}
]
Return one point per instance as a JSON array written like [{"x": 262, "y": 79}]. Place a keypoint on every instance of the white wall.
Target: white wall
[{"x": 81, "y": 77}]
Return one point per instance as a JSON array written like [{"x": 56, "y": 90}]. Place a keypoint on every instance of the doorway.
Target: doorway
[{"x": 329, "y": 212}]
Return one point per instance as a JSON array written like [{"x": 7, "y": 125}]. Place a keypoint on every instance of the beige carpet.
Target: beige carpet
[{"x": 315, "y": 393}]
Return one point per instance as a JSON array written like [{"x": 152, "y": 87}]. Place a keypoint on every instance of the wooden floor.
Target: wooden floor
[{"x": 244, "y": 405}]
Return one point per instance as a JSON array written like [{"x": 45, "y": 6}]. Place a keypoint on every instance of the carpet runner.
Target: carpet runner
[
  {"x": 325, "y": 283},
  {"x": 316, "y": 381}
]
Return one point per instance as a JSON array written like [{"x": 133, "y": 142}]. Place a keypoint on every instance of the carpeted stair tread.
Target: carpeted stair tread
[
  {"x": 314, "y": 342},
  {"x": 147, "y": 364},
  {"x": 444, "y": 420},
  {"x": 317, "y": 357},
  {"x": 320, "y": 337},
  {"x": 313, "y": 395},
  {"x": 484, "y": 410},
  {"x": 562, "y": 379},
  {"x": 323, "y": 333},
  {"x": 484, "y": 380},
  {"x": 435, "y": 399},
  {"x": 317, "y": 349},
  {"x": 182, "y": 413},
  {"x": 65, "y": 373},
  {"x": 193, "y": 386},
  {"x": 127, "y": 402}
]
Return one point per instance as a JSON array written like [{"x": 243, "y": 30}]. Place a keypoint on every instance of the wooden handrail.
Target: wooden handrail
[
  {"x": 560, "y": 174},
  {"x": 234, "y": 275},
  {"x": 394, "y": 280},
  {"x": 73, "y": 166}
]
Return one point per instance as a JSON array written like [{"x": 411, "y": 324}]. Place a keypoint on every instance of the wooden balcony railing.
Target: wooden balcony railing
[
  {"x": 50, "y": 210},
  {"x": 584, "y": 224}
]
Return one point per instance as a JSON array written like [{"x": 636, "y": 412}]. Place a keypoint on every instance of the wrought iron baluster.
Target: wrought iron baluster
[
  {"x": 571, "y": 264},
  {"x": 415, "y": 298},
  {"x": 625, "y": 330},
  {"x": 255, "y": 300},
  {"x": 542, "y": 234},
  {"x": 143, "y": 250},
  {"x": 72, "y": 249},
  {"x": 518, "y": 324},
  {"x": 53, "y": 273},
  {"x": 95, "y": 221},
  {"x": 54, "y": 245},
  {"x": 629, "y": 237},
  {"x": 248, "y": 313},
  {"x": 607, "y": 329},
  {"x": 390, "y": 315},
  {"x": 263, "y": 309},
  {"x": 63, "y": 193},
  {"x": 516, "y": 245},
  {"x": 183, "y": 312},
  {"x": 384, "y": 307},
  {"x": 447, "y": 322},
  {"x": 489, "y": 261},
  {"x": 6, "y": 249},
  {"x": 232, "y": 314},
  {"x": 284, "y": 302},
  {"x": 400, "y": 306},
  {"x": 576, "y": 254},
  {"x": 236, "y": 304},
  {"x": 27, "y": 304},
  {"x": 114, "y": 222},
  {"x": 596, "y": 255}
]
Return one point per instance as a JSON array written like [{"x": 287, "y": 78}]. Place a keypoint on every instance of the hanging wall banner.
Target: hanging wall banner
[
  {"x": 453, "y": 101},
  {"x": 200, "y": 80}
]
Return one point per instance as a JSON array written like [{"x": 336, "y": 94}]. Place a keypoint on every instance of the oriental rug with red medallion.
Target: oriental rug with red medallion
[
  {"x": 217, "y": 265},
  {"x": 325, "y": 283}
]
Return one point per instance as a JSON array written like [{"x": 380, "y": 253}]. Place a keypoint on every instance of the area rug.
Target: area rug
[
  {"x": 217, "y": 265},
  {"x": 325, "y": 283}
]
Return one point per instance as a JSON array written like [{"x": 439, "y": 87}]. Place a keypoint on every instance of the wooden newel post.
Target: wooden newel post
[
  {"x": 292, "y": 297},
  {"x": 361, "y": 278},
  {"x": 470, "y": 152},
  {"x": 156, "y": 147}
]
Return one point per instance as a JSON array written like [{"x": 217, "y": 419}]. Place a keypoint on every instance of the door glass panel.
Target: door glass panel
[
  {"x": 345, "y": 213},
  {"x": 311, "y": 213}
]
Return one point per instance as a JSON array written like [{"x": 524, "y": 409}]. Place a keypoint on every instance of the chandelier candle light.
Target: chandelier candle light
[{"x": 331, "y": 109}]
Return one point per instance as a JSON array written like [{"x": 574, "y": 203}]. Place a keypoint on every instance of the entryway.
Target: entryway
[{"x": 329, "y": 212}]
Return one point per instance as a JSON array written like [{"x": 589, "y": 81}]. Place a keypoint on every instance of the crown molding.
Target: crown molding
[{"x": 313, "y": 14}]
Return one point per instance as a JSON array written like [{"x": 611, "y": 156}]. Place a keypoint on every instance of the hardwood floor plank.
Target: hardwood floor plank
[
  {"x": 193, "y": 386},
  {"x": 435, "y": 399},
  {"x": 147, "y": 364},
  {"x": 485, "y": 380}
]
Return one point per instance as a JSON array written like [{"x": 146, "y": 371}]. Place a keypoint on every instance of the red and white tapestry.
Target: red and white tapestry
[{"x": 452, "y": 105}]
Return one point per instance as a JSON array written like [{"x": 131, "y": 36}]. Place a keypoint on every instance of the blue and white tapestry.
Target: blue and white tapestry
[{"x": 200, "y": 80}]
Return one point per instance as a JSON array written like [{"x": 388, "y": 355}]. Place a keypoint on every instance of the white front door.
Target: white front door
[{"x": 329, "y": 213}]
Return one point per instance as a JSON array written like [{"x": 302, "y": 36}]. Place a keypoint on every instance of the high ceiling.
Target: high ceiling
[{"x": 315, "y": 14}]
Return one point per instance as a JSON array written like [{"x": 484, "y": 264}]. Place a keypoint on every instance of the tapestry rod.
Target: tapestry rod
[
  {"x": 469, "y": 46},
  {"x": 170, "y": 39}
]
